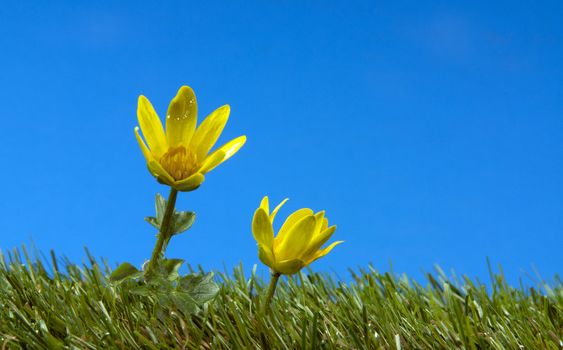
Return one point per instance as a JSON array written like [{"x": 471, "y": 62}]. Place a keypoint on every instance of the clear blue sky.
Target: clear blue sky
[{"x": 430, "y": 133}]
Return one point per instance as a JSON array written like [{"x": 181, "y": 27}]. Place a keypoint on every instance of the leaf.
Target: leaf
[
  {"x": 179, "y": 300},
  {"x": 200, "y": 288},
  {"x": 170, "y": 268},
  {"x": 123, "y": 272},
  {"x": 183, "y": 220},
  {"x": 157, "y": 280},
  {"x": 186, "y": 303},
  {"x": 160, "y": 204},
  {"x": 153, "y": 221},
  {"x": 143, "y": 290}
]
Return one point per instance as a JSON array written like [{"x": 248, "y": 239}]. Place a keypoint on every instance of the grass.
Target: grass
[{"x": 44, "y": 306}]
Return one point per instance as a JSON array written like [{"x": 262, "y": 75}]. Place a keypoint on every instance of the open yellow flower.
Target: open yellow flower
[
  {"x": 298, "y": 242},
  {"x": 179, "y": 158}
]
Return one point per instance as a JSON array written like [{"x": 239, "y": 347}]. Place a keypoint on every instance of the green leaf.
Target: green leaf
[
  {"x": 179, "y": 300},
  {"x": 170, "y": 268},
  {"x": 183, "y": 220},
  {"x": 143, "y": 290},
  {"x": 200, "y": 288},
  {"x": 186, "y": 303},
  {"x": 153, "y": 221},
  {"x": 123, "y": 272},
  {"x": 160, "y": 204},
  {"x": 157, "y": 280}
]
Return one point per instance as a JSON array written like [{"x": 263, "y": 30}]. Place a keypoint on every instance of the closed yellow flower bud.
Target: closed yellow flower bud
[
  {"x": 179, "y": 157},
  {"x": 298, "y": 242}
]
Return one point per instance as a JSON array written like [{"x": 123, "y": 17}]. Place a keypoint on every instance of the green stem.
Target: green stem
[
  {"x": 165, "y": 231},
  {"x": 271, "y": 290}
]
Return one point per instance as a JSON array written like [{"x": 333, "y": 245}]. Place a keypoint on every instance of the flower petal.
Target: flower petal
[
  {"x": 151, "y": 127},
  {"x": 324, "y": 225},
  {"x": 266, "y": 255},
  {"x": 273, "y": 214},
  {"x": 181, "y": 117},
  {"x": 144, "y": 149},
  {"x": 230, "y": 148},
  {"x": 289, "y": 267},
  {"x": 262, "y": 229},
  {"x": 265, "y": 204},
  {"x": 160, "y": 173},
  {"x": 317, "y": 242},
  {"x": 296, "y": 240},
  {"x": 212, "y": 161},
  {"x": 189, "y": 184},
  {"x": 323, "y": 252},
  {"x": 319, "y": 216},
  {"x": 209, "y": 131},
  {"x": 290, "y": 222}
]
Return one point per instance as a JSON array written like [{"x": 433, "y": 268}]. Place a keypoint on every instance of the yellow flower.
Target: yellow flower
[
  {"x": 298, "y": 242},
  {"x": 179, "y": 157}
]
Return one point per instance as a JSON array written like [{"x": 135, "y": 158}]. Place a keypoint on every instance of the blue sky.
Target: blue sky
[{"x": 430, "y": 132}]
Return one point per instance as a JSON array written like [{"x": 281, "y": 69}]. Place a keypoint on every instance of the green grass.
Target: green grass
[{"x": 71, "y": 306}]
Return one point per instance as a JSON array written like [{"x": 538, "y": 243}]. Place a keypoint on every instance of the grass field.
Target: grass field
[{"x": 59, "y": 305}]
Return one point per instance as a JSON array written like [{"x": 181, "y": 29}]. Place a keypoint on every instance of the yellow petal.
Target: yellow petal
[
  {"x": 266, "y": 256},
  {"x": 262, "y": 229},
  {"x": 189, "y": 184},
  {"x": 296, "y": 240},
  {"x": 264, "y": 204},
  {"x": 209, "y": 131},
  {"x": 144, "y": 149},
  {"x": 324, "y": 225},
  {"x": 151, "y": 127},
  {"x": 181, "y": 118},
  {"x": 323, "y": 252},
  {"x": 289, "y": 267},
  {"x": 289, "y": 222},
  {"x": 273, "y": 214},
  {"x": 212, "y": 161},
  {"x": 317, "y": 242},
  {"x": 319, "y": 217},
  {"x": 160, "y": 173},
  {"x": 229, "y": 149}
]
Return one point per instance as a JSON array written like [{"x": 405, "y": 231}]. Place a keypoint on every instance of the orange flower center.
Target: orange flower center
[{"x": 179, "y": 162}]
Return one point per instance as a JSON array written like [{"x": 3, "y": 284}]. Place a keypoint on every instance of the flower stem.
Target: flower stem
[
  {"x": 271, "y": 290},
  {"x": 165, "y": 231}
]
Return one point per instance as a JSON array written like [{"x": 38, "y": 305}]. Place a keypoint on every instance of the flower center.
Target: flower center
[{"x": 179, "y": 162}]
